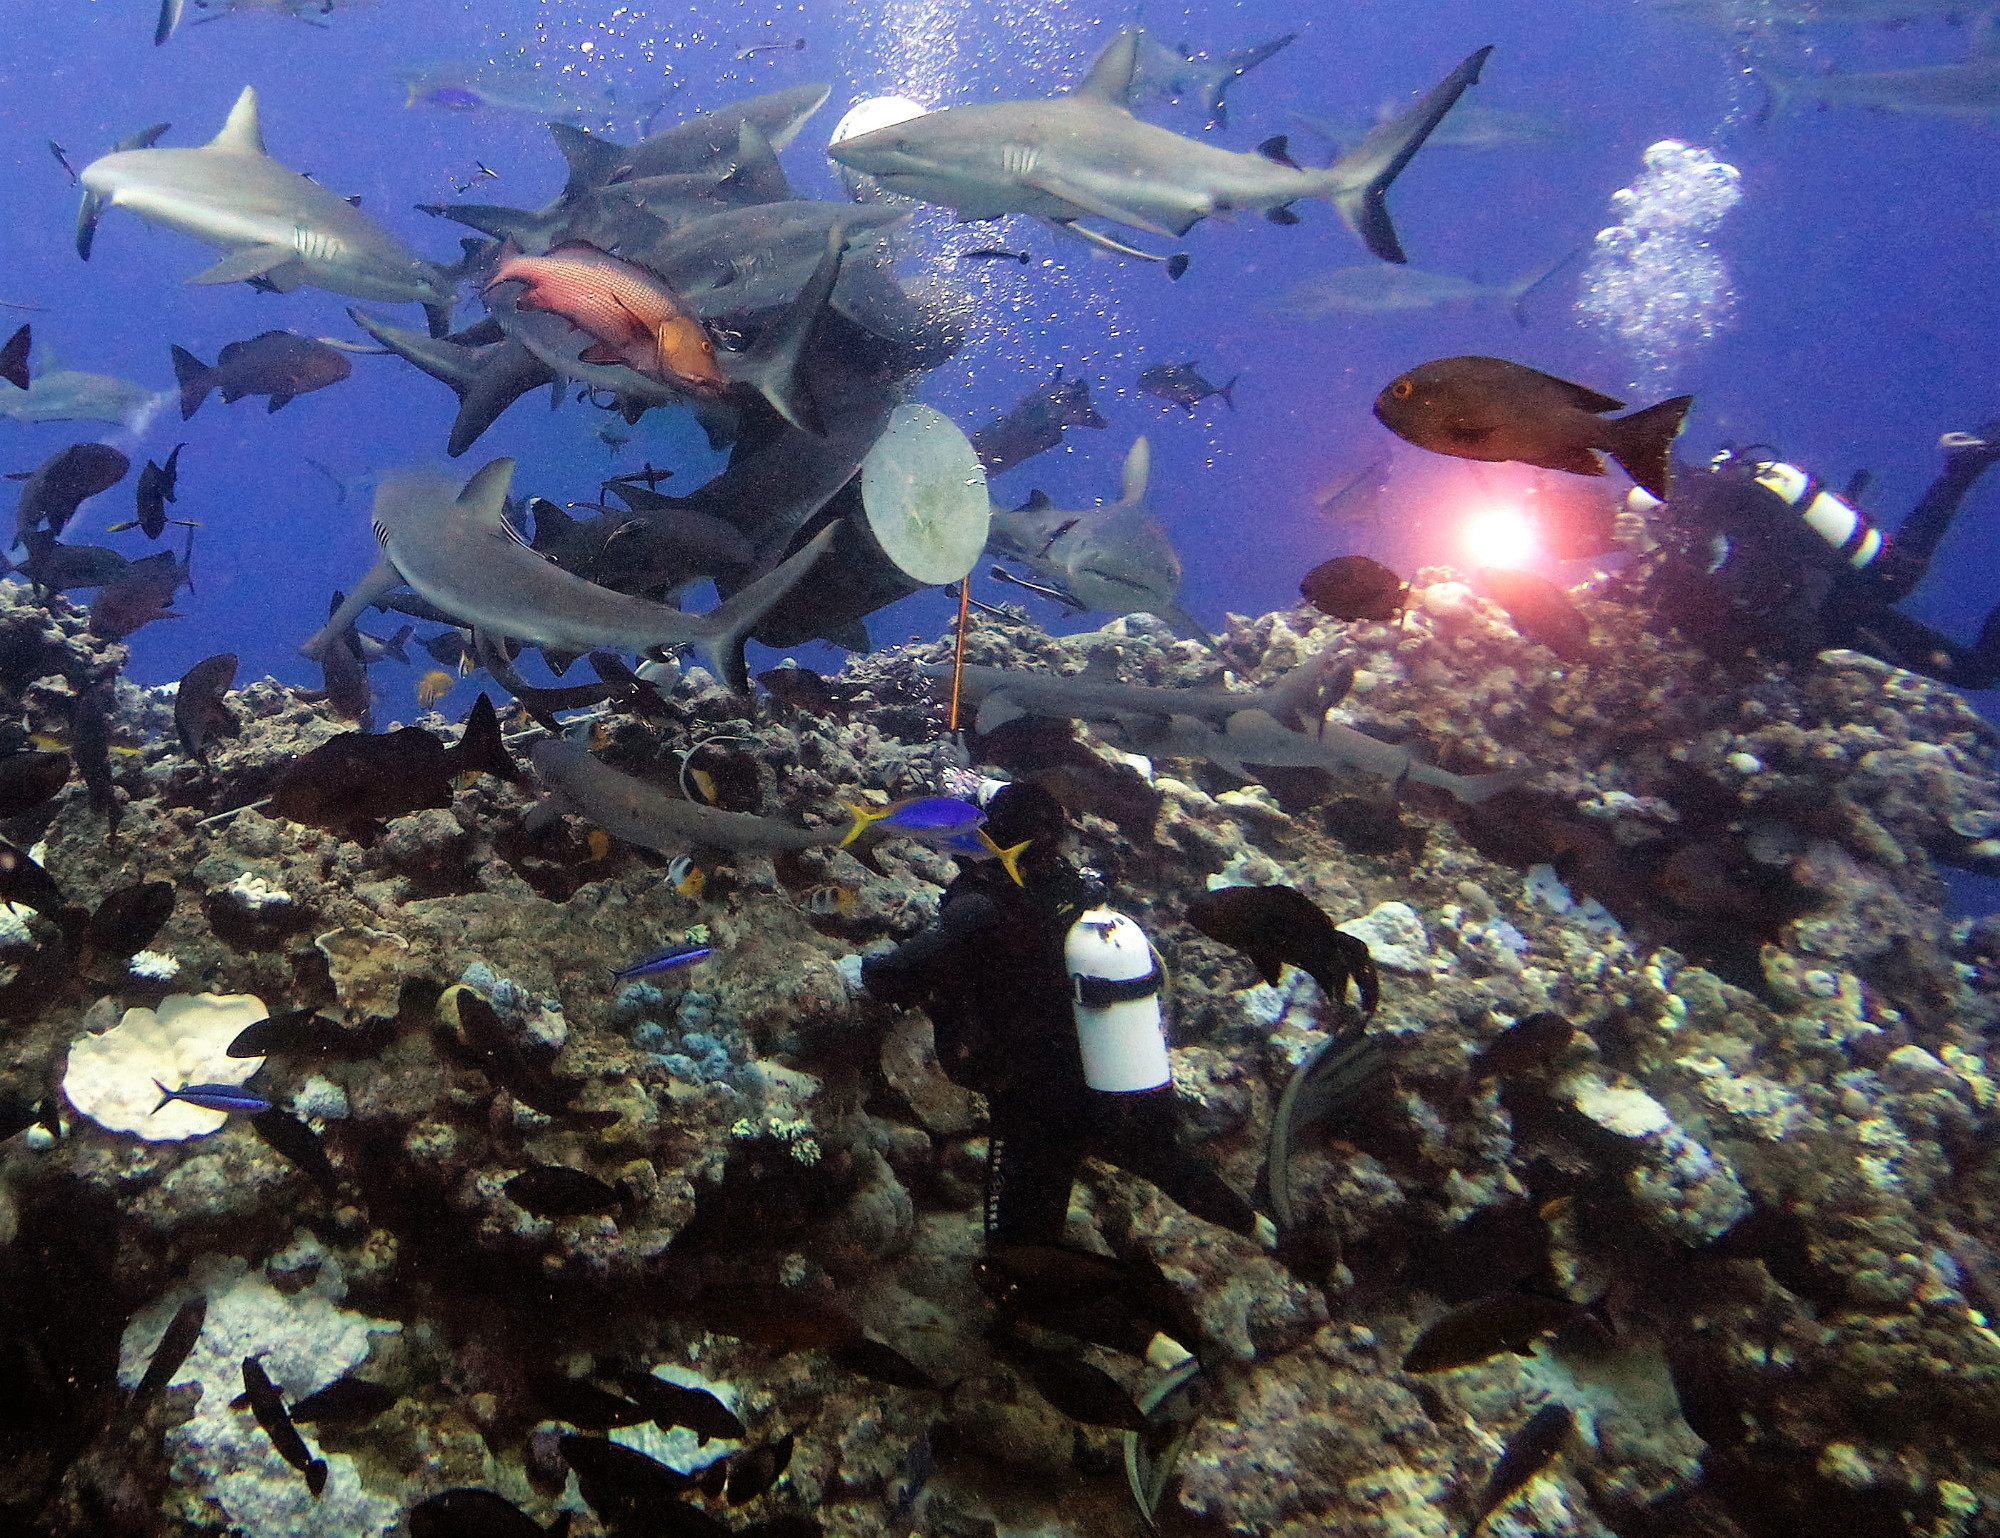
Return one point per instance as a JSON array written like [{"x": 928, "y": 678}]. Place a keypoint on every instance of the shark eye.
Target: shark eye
[{"x": 1402, "y": 389}]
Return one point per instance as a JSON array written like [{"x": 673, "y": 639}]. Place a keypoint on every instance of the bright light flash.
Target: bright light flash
[{"x": 1500, "y": 536}]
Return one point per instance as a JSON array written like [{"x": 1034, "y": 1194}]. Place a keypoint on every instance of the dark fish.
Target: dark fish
[
  {"x": 279, "y": 364},
  {"x": 182, "y": 1331},
  {"x": 470, "y": 1513},
  {"x": 870, "y": 1358},
  {"x": 448, "y": 647},
  {"x": 556, "y": 1191},
  {"x": 1540, "y": 610},
  {"x": 60, "y": 568},
  {"x": 583, "y": 1403},
  {"x": 23, "y": 881},
  {"x": 229, "y": 1099},
  {"x": 995, "y": 254},
  {"x": 29, "y": 779},
  {"x": 62, "y": 159},
  {"x": 348, "y": 1400},
  {"x": 803, "y": 689},
  {"x": 778, "y": 1318},
  {"x": 715, "y": 1479},
  {"x": 754, "y": 1472},
  {"x": 126, "y": 921},
  {"x": 1181, "y": 384},
  {"x": 1035, "y": 424},
  {"x": 90, "y": 742},
  {"x": 298, "y": 1030},
  {"x": 1043, "y": 1277},
  {"x": 54, "y": 489},
  {"x": 1528, "y": 1451},
  {"x": 1324, "y": 1087},
  {"x": 268, "y": 1405},
  {"x": 17, "y": 1116},
  {"x": 1526, "y": 1046},
  {"x": 1355, "y": 587},
  {"x": 344, "y": 674},
  {"x": 1083, "y": 1391},
  {"x": 145, "y": 593},
  {"x": 1275, "y": 925},
  {"x": 201, "y": 711},
  {"x": 14, "y": 358},
  {"x": 158, "y": 485},
  {"x": 625, "y": 1486},
  {"x": 502, "y": 1061},
  {"x": 354, "y": 783},
  {"x": 919, "y": 1463},
  {"x": 1508, "y": 1321},
  {"x": 286, "y": 1135},
  {"x": 1494, "y": 410},
  {"x": 671, "y": 1404},
  {"x": 666, "y": 960}
]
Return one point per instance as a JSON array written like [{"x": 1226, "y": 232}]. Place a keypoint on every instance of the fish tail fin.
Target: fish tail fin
[
  {"x": 723, "y": 631},
  {"x": 1009, "y": 857},
  {"x": 166, "y": 1094},
  {"x": 437, "y": 315},
  {"x": 864, "y": 817},
  {"x": 1358, "y": 182},
  {"x": 592, "y": 159},
  {"x": 87, "y": 210},
  {"x": 481, "y": 748},
  {"x": 14, "y": 358},
  {"x": 1518, "y": 292},
  {"x": 772, "y": 366},
  {"x": 1228, "y": 392},
  {"x": 1643, "y": 442},
  {"x": 395, "y": 645},
  {"x": 195, "y": 378}
]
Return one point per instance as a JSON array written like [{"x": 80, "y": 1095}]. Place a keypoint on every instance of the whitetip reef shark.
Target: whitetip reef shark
[
  {"x": 639, "y": 814},
  {"x": 1085, "y": 156},
  {"x": 455, "y": 548},
  {"x": 272, "y": 225}
]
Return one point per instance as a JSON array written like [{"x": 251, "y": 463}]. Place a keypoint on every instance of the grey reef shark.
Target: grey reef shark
[
  {"x": 1085, "y": 156},
  {"x": 276, "y": 228}
]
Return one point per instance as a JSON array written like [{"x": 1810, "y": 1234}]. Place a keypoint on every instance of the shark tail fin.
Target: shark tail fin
[
  {"x": 592, "y": 159},
  {"x": 437, "y": 315},
  {"x": 1228, "y": 392},
  {"x": 1358, "y": 182},
  {"x": 1642, "y": 442},
  {"x": 1518, "y": 292},
  {"x": 481, "y": 750},
  {"x": 195, "y": 378},
  {"x": 772, "y": 366},
  {"x": 169, "y": 20},
  {"x": 14, "y": 358},
  {"x": 723, "y": 631}
]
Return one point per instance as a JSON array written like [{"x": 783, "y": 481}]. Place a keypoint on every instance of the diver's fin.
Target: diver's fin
[
  {"x": 1643, "y": 442},
  {"x": 1358, "y": 182}
]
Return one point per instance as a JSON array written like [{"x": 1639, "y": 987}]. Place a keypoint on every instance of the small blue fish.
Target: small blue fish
[
  {"x": 942, "y": 820},
  {"x": 672, "y": 956},
  {"x": 229, "y": 1099}
]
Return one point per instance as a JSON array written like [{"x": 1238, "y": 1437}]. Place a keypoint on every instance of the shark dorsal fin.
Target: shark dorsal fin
[
  {"x": 1110, "y": 76},
  {"x": 1279, "y": 148},
  {"x": 1138, "y": 470},
  {"x": 486, "y": 492},
  {"x": 144, "y": 139},
  {"x": 240, "y": 134}
]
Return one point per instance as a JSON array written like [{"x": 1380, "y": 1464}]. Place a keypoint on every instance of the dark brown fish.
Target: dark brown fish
[
  {"x": 754, "y": 1472},
  {"x": 672, "y": 1404},
  {"x": 286, "y": 1135},
  {"x": 182, "y": 1331},
  {"x": 582, "y": 1403},
  {"x": 1528, "y": 1451},
  {"x": 58, "y": 568},
  {"x": 778, "y": 1318},
  {"x": 1526, "y": 1046},
  {"x": 345, "y": 1401},
  {"x": 1355, "y": 587},
  {"x": 1031, "y": 1278},
  {"x": 470, "y": 1513},
  {"x": 715, "y": 1479},
  {"x": 1493, "y": 410},
  {"x": 29, "y": 779},
  {"x": 803, "y": 689},
  {"x": 1508, "y": 1321},
  {"x": 1182, "y": 385},
  {"x": 14, "y": 358},
  {"x": 1540, "y": 610},
  {"x": 1083, "y": 1391},
  {"x": 201, "y": 710},
  {"x": 126, "y": 921},
  {"x": 268, "y": 1405},
  {"x": 23, "y": 881},
  {"x": 280, "y": 364},
  {"x": 90, "y": 742},
  {"x": 1276, "y": 925},
  {"x": 158, "y": 485},
  {"x": 54, "y": 489},
  {"x": 557, "y": 1191},
  {"x": 358, "y": 781},
  {"x": 622, "y": 1484},
  {"x": 502, "y": 1061},
  {"x": 298, "y": 1030},
  {"x": 344, "y": 674},
  {"x": 1035, "y": 424},
  {"x": 869, "y": 1358},
  {"x": 145, "y": 593}
]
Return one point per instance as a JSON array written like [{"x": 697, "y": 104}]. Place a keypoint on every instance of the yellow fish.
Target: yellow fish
[
  {"x": 688, "y": 878},
  {"x": 432, "y": 687},
  {"x": 600, "y": 843},
  {"x": 831, "y": 901},
  {"x": 705, "y": 783}
]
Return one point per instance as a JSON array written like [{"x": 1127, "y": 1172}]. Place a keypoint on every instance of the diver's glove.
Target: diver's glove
[{"x": 909, "y": 972}]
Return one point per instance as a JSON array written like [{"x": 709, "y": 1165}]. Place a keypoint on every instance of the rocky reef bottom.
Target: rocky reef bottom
[{"x": 1764, "y": 1155}]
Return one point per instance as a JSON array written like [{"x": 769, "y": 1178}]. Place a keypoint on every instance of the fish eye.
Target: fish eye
[{"x": 1402, "y": 389}]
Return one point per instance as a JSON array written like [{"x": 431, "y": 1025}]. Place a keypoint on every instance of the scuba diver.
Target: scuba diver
[
  {"x": 1759, "y": 555},
  {"x": 1048, "y": 1003}
]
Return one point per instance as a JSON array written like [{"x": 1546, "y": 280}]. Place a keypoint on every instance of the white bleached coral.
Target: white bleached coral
[
  {"x": 156, "y": 966},
  {"x": 112, "y": 1073},
  {"x": 253, "y": 894},
  {"x": 1683, "y": 1188},
  {"x": 1395, "y": 937}
]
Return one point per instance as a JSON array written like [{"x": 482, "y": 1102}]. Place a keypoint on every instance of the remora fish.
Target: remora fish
[
  {"x": 456, "y": 549},
  {"x": 269, "y": 222},
  {"x": 509, "y": 84},
  {"x": 634, "y": 811},
  {"x": 1115, "y": 558},
  {"x": 279, "y": 364},
  {"x": 1175, "y": 73},
  {"x": 1085, "y": 156}
]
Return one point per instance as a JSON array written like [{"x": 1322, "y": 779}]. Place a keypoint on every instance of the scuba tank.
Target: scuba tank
[
  {"x": 1834, "y": 519},
  {"x": 1115, "y": 989}
]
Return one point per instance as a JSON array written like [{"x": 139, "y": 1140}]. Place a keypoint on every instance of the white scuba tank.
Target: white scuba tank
[
  {"x": 1115, "y": 987},
  {"x": 1842, "y": 525}
]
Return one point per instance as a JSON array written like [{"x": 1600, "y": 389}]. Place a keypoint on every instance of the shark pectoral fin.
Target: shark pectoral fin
[
  {"x": 721, "y": 632},
  {"x": 250, "y": 262},
  {"x": 995, "y": 711},
  {"x": 1358, "y": 182},
  {"x": 384, "y": 578},
  {"x": 87, "y": 213},
  {"x": 1185, "y": 624},
  {"x": 169, "y": 20},
  {"x": 1087, "y": 202}
]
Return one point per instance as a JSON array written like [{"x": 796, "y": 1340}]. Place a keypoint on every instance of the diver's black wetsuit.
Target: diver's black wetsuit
[
  {"x": 1743, "y": 570},
  {"x": 991, "y": 974}
]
